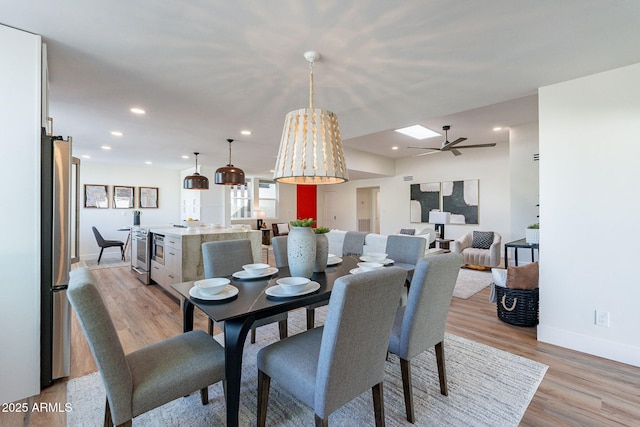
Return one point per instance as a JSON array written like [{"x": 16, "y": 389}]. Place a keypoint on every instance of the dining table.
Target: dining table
[{"x": 251, "y": 303}]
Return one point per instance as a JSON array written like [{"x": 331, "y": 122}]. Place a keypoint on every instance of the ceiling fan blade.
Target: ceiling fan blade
[
  {"x": 425, "y": 154},
  {"x": 425, "y": 148},
  {"x": 455, "y": 152},
  {"x": 477, "y": 146},
  {"x": 448, "y": 145}
]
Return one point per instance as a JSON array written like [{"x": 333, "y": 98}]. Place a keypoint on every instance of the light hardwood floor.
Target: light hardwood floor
[{"x": 577, "y": 390}]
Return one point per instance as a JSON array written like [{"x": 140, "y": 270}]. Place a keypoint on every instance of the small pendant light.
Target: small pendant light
[
  {"x": 196, "y": 181},
  {"x": 229, "y": 175}
]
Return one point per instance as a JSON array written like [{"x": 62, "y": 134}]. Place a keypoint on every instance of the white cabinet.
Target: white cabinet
[
  {"x": 173, "y": 259},
  {"x": 171, "y": 272},
  {"x": 158, "y": 273}
]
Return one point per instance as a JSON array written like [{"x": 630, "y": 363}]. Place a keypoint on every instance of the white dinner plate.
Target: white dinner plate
[
  {"x": 228, "y": 292},
  {"x": 385, "y": 261},
  {"x": 334, "y": 260},
  {"x": 276, "y": 291},
  {"x": 244, "y": 275},
  {"x": 355, "y": 270}
]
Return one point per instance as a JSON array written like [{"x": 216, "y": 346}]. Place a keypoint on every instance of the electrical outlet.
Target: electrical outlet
[{"x": 602, "y": 318}]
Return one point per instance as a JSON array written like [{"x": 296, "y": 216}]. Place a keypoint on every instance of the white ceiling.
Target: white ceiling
[{"x": 205, "y": 70}]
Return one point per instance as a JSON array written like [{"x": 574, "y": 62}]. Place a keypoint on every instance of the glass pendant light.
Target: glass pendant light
[
  {"x": 229, "y": 175},
  {"x": 196, "y": 181}
]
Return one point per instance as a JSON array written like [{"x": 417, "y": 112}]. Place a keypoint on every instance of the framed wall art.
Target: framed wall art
[
  {"x": 461, "y": 198},
  {"x": 148, "y": 197},
  {"x": 96, "y": 196},
  {"x": 423, "y": 199},
  {"x": 123, "y": 197}
]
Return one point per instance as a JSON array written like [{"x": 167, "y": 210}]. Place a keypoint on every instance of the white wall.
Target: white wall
[
  {"x": 20, "y": 212},
  {"x": 589, "y": 150},
  {"x": 524, "y": 182},
  {"x": 107, "y": 221},
  {"x": 490, "y": 166}
]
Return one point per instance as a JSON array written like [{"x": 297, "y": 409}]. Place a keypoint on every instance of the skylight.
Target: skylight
[{"x": 418, "y": 132}]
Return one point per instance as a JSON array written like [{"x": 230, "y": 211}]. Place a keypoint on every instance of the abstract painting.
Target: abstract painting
[
  {"x": 424, "y": 198},
  {"x": 461, "y": 199}
]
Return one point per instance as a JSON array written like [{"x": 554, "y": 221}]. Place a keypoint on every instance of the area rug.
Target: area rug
[
  {"x": 470, "y": 282},
  {"x": 487, "y": 387},
  {"x": 92, "y": 264}
]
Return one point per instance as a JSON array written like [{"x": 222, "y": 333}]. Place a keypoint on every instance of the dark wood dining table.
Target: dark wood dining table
[{"x": 251, "y": 303}]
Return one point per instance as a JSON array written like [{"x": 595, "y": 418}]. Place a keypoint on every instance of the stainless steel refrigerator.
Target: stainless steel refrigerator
[{"x": 57, "y": 211}]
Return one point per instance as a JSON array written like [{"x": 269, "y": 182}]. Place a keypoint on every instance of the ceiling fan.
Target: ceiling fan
[{"x": 449, "y": 146}]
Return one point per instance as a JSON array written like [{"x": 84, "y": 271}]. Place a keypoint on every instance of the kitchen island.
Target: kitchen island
[{"x": 183, "y": 252}]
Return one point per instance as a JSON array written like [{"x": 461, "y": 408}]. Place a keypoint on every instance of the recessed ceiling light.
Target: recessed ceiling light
[
  {"x": 185, "y": 157},
  {"x": 245, "y": 132},
  {"x": 86, "y": 157},
  {"x": 148, "y": 163},
  {"x": 116, "y": 133},
  {"x": 395, "y": 147},
  {"x": 106, "y": 147},
  {"x": 137, "y": 110},
  {"x": 418, "y": 132},
  {"x": 497, "y": 128},
  {"x": 272, "y": 171}
]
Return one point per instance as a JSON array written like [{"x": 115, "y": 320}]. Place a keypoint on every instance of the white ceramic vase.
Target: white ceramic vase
[
  {"x": 322, "y": 253},
  {"x": 301, "y": 251}
]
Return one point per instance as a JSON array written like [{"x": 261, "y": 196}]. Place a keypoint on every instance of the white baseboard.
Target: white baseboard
[{"x": 612, "y": 350}]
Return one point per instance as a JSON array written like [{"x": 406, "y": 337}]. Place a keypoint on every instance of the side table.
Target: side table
[
  {"x": 444, "y": 244},
  {"x": 522, "y": 244},
  {"x": 266, "y": 236}
]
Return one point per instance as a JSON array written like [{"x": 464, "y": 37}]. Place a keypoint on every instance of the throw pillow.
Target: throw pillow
[
  {"x": 283, "y": 229},
  {"x": 409, "y": 231},
  {"x": 523, "y": 277},
  {"x": 482, "y": 239}
]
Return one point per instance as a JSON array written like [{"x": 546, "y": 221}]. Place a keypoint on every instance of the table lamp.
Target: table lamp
[{"x": 440, "y": 219}]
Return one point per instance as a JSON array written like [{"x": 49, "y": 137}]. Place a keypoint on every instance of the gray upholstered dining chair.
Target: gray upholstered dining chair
[
  {"x": 222, "y": 259},
  {"x": 405, "y": 249},
  {"x": 353, "y": 243},
  {"x": 151, "y": 376},
  {"x": 279, "y": 245},
  {"x": 329, "y": 366},
  {"x": 421, "y": 323}
]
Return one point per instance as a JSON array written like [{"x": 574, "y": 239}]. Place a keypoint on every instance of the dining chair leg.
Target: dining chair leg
[
  {"x": 311, "y": 318},
  {"x": 283, "y": 329},
  {"x": 264, "y": 382},
  {"x": 253, "y": 335},
  {"x": 442, "y": 371},
  {"x": 108, "y": 422},
  {"x": 122, "y": 252},
  {"x": 321, "y": 422},
  {"x": 100, "y": 256},
  {"x": 210, "y": 327},
  {"x": 405, "y": 369},
  {"x": 204, "y": 395},
  {"x": 378, "y": 404}
]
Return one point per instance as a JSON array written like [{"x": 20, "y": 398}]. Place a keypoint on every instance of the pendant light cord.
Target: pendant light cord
[{"x": 311, "y": 85}]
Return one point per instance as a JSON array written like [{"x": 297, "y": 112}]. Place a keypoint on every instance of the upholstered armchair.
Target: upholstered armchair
[{"x": 481, "y": 248}]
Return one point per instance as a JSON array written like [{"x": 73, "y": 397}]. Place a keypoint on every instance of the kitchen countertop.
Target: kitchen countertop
[{"x": 178, "y": 231}]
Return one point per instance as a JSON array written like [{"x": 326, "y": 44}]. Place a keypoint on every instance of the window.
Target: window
[
  {"x": 241, "y": 201},
  {"x": 243, "y": 196},
  {"x": 268, "y": 198}
]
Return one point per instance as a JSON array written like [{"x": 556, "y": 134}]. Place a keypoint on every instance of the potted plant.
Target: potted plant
[
  {"x": 301, "y": 248},
  {"x": 532, "y": 234}
]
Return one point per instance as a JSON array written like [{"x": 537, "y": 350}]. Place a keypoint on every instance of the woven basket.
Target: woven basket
[{"x": 517, "y": 306}]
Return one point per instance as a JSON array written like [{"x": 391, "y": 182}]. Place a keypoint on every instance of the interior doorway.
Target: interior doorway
[{"x": 368, "y": 209}]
